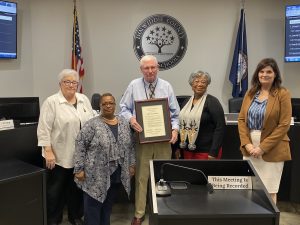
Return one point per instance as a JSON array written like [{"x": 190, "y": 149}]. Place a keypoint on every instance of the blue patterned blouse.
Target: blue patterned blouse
[
  {"x": 99, "y": 154},
  {"x": 256, "y": 113}
]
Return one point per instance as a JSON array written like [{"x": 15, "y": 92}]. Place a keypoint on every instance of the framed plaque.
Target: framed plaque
[{"x": 154, "y": 117}]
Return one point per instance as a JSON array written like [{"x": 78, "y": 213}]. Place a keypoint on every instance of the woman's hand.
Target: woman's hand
[
  {"x": 177, "y": 154},
  {"x": 211, "y": 157},
  {"x": 249, "y": 148},
  {"x": 80, "y": 176},
  {"x": 256, "y": 152},
  {"x": 174, "y": 136},
  {"x": 131, "y": 171},
  {"x": 49, "y": 157}
]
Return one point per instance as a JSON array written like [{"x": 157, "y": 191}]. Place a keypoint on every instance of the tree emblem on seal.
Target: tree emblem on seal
[{"x": 160, "y": 36}]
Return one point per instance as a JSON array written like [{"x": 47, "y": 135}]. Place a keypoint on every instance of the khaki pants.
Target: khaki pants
[{"x": 144, "y": 153}]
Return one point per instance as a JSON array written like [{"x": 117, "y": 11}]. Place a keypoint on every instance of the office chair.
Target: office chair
[
  {"x": 95, "y": 101},
  {"x": 235, "y": 104},
  {"x": 181, "y": 99}
]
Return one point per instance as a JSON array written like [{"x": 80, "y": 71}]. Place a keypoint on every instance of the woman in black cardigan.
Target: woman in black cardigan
[{"x": 202, "y": 122}]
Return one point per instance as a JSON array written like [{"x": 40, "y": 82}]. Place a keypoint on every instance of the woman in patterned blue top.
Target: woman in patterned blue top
[{"x": 104, "y": 159}]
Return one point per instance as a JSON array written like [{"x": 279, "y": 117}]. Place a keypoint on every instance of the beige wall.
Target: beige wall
[{"x": 107, "y": 27}]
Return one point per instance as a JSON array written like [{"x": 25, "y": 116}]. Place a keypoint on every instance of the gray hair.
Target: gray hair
[
  {"x": 148, "y": 58},
  {"x": 198, "y": 74},
  {"x": 68, "y": 72}
]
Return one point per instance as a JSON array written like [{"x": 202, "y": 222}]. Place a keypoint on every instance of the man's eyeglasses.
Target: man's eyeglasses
[{"x": 68, "y": 83}]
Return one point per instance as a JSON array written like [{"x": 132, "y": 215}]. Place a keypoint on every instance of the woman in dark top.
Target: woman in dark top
[{"x": 202, "y": 122}]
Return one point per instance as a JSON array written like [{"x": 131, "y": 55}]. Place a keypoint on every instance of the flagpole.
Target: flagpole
[
  {"x": 73, "y": 50},
  {"x": 242, "y": 42}
]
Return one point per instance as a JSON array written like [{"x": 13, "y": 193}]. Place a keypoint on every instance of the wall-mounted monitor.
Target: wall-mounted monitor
[
  {"x": 292, "y": 33},
  {"x": 8, "y": 30}
]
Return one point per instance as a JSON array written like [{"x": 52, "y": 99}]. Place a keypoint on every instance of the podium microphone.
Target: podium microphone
[{"x": 163, "y": 189}]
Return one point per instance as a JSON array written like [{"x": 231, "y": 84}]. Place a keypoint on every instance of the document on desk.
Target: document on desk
[{"x": 231, "y": 182}]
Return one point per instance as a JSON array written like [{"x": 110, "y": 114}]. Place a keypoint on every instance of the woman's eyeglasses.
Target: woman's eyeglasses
[{"x": 68, "y": 83}]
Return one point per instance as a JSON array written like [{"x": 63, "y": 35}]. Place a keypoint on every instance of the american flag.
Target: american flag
[{"x": 77, "y": 60}]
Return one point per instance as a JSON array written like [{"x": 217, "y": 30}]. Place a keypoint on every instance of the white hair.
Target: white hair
[
  {"x": 198, "y": 74},
  {"x": 148, "y": 58},
  {"x": 68, "y": 72}
]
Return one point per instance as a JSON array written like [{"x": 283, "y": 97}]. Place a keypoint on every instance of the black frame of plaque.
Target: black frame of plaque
[{"x": 166, "y": 112}]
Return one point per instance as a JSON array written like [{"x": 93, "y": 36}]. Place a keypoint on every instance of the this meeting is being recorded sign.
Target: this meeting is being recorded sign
[{"x": 230, "y": 182}]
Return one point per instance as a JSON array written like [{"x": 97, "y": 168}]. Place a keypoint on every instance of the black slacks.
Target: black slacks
[
  {"x": 98, "y": 213},
  {"x": 62, "y": 190}
]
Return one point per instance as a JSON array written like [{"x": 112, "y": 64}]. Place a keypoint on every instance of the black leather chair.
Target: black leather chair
[
  {"x": 181, "y": 99},
  {"x": 95, "y": 101},
  {"x": 296, "y": 109},
  {"x": 235, "y": 104}
]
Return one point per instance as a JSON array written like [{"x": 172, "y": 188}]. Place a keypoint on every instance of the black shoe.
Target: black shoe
[{"x": 76, "y": 222}]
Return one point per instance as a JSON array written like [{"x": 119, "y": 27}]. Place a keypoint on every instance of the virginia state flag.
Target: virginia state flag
[{"x": 239, "y": 68}]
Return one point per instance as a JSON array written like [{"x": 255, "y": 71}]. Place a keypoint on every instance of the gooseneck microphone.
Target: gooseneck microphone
[{"x": 163, "y": 189}]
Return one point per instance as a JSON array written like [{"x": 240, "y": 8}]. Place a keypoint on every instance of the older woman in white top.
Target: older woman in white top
[{"x": 62, "y": 116}]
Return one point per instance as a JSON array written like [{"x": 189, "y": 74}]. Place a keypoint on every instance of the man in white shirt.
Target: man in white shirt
[{"x": 147, "y": 87}]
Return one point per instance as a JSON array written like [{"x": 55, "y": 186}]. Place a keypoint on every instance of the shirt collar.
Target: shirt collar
[
  {"x": 62, "y": 98},
  {"x": 153, "y": 83}
]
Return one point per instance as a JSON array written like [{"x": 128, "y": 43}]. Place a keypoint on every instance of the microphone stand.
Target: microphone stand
[{"x": 163, "y": 189}]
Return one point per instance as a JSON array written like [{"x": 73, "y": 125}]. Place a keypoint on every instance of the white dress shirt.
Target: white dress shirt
[{"x": 137, "y": 90}]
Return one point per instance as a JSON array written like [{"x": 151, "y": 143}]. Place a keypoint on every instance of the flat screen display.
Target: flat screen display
[{"x": 8, "y": 30}]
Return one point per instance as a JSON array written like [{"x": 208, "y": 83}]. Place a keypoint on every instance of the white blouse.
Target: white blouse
[{"x": 59, "y": 124}]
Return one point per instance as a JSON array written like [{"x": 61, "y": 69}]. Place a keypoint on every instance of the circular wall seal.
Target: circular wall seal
[{"x": 163, "y": 37}]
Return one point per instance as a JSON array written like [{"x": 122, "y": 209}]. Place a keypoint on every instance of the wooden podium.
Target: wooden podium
[{"x": 195, "y": 205}]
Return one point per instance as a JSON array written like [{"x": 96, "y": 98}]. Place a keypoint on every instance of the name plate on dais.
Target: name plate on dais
[
  {"x": 230, "y": 182},
  {"x": 6, "y": 124}
]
